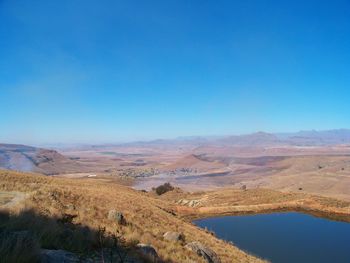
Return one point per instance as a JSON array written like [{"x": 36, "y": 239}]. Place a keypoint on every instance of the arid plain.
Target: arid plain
[{"x": 302, "y": 164}]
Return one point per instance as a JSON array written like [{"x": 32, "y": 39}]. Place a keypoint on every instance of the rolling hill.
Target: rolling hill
[{"x": 31, "y": 159}]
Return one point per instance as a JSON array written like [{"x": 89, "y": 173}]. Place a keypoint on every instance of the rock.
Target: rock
[
  {"x": 58, "y": 256},
  {"x": 117, "y": 216},
  {"x": 194, "y": 203},
  {"x": 190, "y": 203},
  {"x": 208, "y": 254},
  {"x": 148, "y": 250},
  {"x": 173, "y": 236}
]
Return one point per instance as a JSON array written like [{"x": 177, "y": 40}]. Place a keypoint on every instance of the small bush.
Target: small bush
[{"x": 162, "y": 189}]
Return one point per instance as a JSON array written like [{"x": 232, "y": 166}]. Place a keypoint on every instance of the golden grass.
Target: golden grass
[
  {"x": 150, "y": 216},
  {"x": 90, "y": 200},
  {"x": 6, "y": 197}
]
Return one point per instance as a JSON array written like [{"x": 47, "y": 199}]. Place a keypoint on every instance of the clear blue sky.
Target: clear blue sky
[{"x": 103, "y": 71}]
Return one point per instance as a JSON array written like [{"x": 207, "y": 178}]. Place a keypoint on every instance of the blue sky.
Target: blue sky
[{"x": 108, "y": 71}]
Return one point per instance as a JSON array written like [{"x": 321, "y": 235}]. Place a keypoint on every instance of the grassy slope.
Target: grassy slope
[{"x": 90, "y": 200}]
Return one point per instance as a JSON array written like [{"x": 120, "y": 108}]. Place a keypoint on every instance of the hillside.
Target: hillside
[
  {"x": 148, "y": 217},
  {"x": 31, "y": 159},
  {"x": 60, "y": 204}
]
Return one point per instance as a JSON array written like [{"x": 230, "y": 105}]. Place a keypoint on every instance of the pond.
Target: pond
[{"x": 285, "y": 237}]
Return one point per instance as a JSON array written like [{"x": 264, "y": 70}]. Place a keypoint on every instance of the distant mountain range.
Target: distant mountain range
[
  {"x": 330, "y": 137},
  {"x": 27, "y": 158},
  {"x": 302, "y": 138}
]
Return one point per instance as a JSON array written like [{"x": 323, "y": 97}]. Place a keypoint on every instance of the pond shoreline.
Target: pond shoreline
[
  {"x": 316, "y": 213},
  {"x": 318, "y": 207}
]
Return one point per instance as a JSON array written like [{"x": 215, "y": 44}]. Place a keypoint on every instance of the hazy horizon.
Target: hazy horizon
[
  {"x": 118, "y": 71},
  {"x": 58, "y": 144}
]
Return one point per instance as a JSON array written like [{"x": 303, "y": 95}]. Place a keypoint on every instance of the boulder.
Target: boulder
[
  {"x": 208, "y": 254},
  {"x": 117, "y": 216},
  {"x": 58, "y": 256},
  {"x": 173, "y": 236},
  {"x": 148, "y": 251}
]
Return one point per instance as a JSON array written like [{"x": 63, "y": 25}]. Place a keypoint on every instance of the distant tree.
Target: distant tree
[{"x": 162, "y": 189}]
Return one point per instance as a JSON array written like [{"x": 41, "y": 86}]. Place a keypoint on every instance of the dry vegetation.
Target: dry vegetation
[
  {"x": 90, "y": 200},
  {"x": 148, "y": 215}
]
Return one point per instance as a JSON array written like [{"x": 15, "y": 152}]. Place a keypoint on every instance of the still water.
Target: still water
[{"x": 285, "y": 237}]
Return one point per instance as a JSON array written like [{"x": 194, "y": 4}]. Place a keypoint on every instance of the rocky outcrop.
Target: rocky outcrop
[
  {"x": 208, "y": 254},
  {"x": 190, "y": 203},
  {"x": 173, "y": 236}
]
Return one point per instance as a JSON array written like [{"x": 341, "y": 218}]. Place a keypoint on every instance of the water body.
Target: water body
[{"x": 285, "y": 237}]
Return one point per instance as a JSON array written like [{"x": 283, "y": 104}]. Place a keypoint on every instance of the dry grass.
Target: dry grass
[
  {"x": 6, "y": 197},
  {"x": 90, "y": 200},
  {"x": 234, "y": 201},
  {"x": 149, "y": 216}
]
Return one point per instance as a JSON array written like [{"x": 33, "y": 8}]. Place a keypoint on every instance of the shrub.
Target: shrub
[{"x": 162, "y": 189}]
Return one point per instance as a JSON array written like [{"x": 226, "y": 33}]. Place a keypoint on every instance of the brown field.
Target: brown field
[
  {"x": 302, "y": 165},
  {"x": 321, "y": 170}
]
